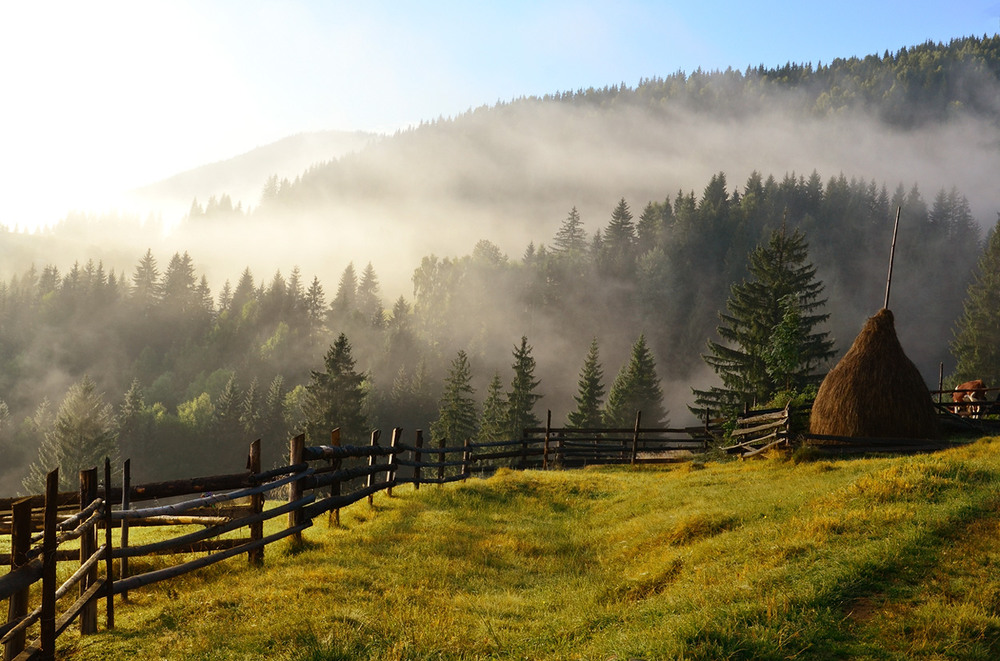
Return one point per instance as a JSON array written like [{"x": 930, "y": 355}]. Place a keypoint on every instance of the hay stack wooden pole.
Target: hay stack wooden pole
[
  {"x": 892, "y": 255},
  {"x": 875, "y": 391}
]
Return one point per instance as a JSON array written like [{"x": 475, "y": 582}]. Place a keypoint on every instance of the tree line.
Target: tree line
[{"x": 155, "y": 362}]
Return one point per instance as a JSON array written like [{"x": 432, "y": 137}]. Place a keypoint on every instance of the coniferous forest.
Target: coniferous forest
[{"x": 617, "y": 300}]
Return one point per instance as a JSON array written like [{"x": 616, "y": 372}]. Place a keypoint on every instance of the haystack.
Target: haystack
[{"x": 875, "y": 391}]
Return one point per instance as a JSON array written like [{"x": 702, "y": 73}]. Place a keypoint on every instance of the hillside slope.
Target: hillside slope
[{"x": 873, "y": 558}]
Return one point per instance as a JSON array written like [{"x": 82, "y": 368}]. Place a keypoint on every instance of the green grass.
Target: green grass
[{"x": 889, "y": 558}]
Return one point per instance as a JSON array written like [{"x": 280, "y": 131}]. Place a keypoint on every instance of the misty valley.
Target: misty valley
[{"x": 521, "y": 257}]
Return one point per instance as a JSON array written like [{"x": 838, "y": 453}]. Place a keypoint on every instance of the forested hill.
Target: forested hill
[
  {"x": 913, "y": 86},
  {"x": 924, "y": 115},
  {"x": 599, "y": 215}
]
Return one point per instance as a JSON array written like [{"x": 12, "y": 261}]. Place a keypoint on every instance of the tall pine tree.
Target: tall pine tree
[
  {"x": 522, "y": 396},
  {"x": 457, "y": 417},
  {"x": 590, "y": 397},
  {"x": 82, "y": 436},
  {"x": 618, "y": 252},
  {"x": 495, "y": 424},
  {"x": 335, "y": 397},
  {"x": 636, "y": 388},
  {"x": 976, "y": 346},
  {"x": 571, "y": 237},
  {"x": 752, "y": 327}
]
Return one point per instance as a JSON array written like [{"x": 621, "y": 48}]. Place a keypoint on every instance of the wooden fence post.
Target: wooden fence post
[
  {"x": 708, "y": 433},
  {"x": 940, "y": 381},
  {"x": 524, "y": 450},
  {"x": 126, "y": 504},
  {"x": 440, "y": 456},
  {"x": 333, "y": 516},
  {"x": 20, "y": 543},
  {"x": 88, "y": 546},
  {"x": 372, "y": 462},
  {"x": 255, "y": 557},
  {"x": 47, "y": 621},
  {"x": 418, "y": 444},
  {"x": 635, "y": 437},
  {"x": 390, "y": 473},
  {"x": 467, "y": 458},
  {"x": 560, "y": 448},
  {"x": 296, "y": 447},
  {"x": 109, "y": 561},
  {"x": 545, "y": 447}
]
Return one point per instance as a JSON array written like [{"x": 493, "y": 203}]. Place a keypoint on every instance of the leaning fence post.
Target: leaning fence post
[
  {"x": 255, "y": 557},
  {"x": 417, "y": 445},
  {"x": 20, "y": 543},
  {"x": 635, "y": 436},
  {"x": 88, "y": 546},
  {"x": 372, "y": 462},
  {"x": 47, "y": 621},
  {"x": 126, "y": 504},
  {"x": 296, "y": 449},
  {"x": 390, "y": 473},
  {"x": 109, "y": 560}
]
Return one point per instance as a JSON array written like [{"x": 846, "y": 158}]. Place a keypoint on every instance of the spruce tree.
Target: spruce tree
[
  {"x": 495, "y": 424},
  {"x": 636, "y": 388},
  {"x": 315, "y": 303},
  {"x": 590, "y": 397},
  {"x": 273, "y": 426},
  {"x": 522, "y": 397},
  {"x": 226, "y": 426},
  {"x": 81, "y": 437},
  {"x": 571, "y": 237},
  {"x": 133, "y": 423},
  {"x": 345, "y": 301},
  {"x": 618, "y": 252},
  {"x": 976, "y": 346},
  {"x": 335, "y": 397},
  {"x": 778, "y": 270},
  {"x": 457, "y": 417},
  {"x": 146, "y": 282},
  {"x": 250, "y": 411},
  {"x": 368, "y": 301}
]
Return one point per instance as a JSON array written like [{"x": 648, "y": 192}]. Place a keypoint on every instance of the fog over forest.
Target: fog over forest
[{"x": 509, "y": 174}]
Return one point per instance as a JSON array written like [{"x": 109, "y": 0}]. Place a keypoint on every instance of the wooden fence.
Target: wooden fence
[
  {"x": 545, "y": 447},
  {"x": 64, "y": 526},
  {"x": 756, "y": 432}
]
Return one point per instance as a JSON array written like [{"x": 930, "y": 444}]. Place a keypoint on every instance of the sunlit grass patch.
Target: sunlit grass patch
[{"x": 919, "y": 479}]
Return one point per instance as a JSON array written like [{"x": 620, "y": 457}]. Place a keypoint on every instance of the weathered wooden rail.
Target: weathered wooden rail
[
  {"x": 757, "y": 432},
  {"x": 574, "y": 447}
]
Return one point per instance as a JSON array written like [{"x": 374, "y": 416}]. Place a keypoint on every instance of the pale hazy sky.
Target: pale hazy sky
[{"x": 101, "y": 97}]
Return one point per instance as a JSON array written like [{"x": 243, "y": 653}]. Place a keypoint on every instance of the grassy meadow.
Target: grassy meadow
[{"x": 878, "y": 558}]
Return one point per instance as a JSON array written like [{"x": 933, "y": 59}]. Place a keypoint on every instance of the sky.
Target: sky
[{"x": 101, "y": 97}]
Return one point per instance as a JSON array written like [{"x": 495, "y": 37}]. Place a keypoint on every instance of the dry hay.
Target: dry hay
[{"x": 875, "y": 391}]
